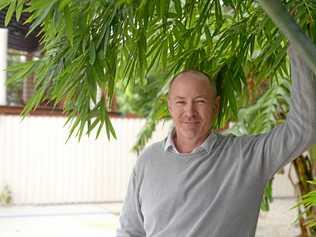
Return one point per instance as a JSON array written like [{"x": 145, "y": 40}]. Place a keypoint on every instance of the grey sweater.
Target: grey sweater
[{"x": 217, "y": 193}]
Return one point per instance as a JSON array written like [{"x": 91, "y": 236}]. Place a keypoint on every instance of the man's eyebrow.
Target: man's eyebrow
[{"x": 200, "y": 96}]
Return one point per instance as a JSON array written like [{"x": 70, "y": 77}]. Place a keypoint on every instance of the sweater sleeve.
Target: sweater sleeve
[
  {"x": 268, "y": 152},
  {"x": 131, "y": 218}
]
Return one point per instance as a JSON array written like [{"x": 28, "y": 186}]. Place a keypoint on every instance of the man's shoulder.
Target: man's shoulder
[
  {"x": 153, "y": 149},
  {"x": 148, "y": 154}
]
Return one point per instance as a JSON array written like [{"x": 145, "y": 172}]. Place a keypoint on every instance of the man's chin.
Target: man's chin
[{"x": 190, "y": 134}]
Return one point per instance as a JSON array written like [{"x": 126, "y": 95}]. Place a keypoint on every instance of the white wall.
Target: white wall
[{"x": 3, "y": 63}]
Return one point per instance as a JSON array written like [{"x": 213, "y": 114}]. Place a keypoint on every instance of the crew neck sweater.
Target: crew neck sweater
[{"x": 217, "y": 193}]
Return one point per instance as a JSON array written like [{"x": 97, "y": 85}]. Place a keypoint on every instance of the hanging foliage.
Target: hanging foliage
[{"x": 91, "y": 44}]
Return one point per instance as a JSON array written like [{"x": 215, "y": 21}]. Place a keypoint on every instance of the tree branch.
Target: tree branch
[{"x": 280, "y": 16}]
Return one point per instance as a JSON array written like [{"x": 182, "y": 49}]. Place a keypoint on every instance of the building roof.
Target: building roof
[{"x": 17, "y": 38}]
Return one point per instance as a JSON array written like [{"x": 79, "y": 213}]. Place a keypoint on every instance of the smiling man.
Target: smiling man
[{"x": 196, "y": 183}]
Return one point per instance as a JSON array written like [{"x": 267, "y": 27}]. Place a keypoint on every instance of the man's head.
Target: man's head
[{"x": 193, "y": 104}]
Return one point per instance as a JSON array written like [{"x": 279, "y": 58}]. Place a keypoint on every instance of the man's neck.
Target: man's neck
[{"x": 184, "y": 145}]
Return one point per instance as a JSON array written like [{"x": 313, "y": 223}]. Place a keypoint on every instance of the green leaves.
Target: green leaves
[
  {"x": 14, "y": 6},
  {"x": 178, "y": 8},
  {"x": 269, "y": 109},
  {"x": 97, "y": 45},
  {"x": 10, "y": 12},
  {"x": 309, "y": 202},
  {"x": 92, "y": 54},
  {"x": 267, "y": 197},
  {"x": 69, "y": 25},
  {"x": 230, "y": 83},
  {"x": 40, "y": 11},
  {"x": 218, "y": 13},
  {"x": 279, "y": 14},
  {"x": 19, "y": 9}
]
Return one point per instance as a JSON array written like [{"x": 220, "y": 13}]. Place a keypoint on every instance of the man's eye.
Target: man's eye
[
  {"x": 179, "y": 102},
  {"x": 201, "y": 101}
]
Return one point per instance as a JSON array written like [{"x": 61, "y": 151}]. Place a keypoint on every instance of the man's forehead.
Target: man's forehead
[
  {"x": 191, "y": 77},
  {"x": 186, "y": 78}
]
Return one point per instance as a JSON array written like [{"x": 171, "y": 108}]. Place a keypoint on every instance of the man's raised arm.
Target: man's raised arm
[{"x": 271, "y": 151}]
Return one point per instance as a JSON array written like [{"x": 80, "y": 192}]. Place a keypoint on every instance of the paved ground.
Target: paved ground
[
  {"x": 279, "y": 221},
  {"x": 101, "y": 220}
]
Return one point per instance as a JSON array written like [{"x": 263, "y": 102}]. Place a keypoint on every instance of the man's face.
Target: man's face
[{"x": 192, "y": 105}]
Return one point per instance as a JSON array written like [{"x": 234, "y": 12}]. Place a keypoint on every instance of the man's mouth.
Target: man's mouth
[{"x": 191, "y": 122}]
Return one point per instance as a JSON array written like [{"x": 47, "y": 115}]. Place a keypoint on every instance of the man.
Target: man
[{"x": 201, "y": 184}]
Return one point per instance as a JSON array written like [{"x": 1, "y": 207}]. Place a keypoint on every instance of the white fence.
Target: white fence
[{"x": 40, "y": 168}]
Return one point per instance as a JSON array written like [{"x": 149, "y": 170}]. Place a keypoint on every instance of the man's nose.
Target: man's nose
[{"x": 190, "y": 109}]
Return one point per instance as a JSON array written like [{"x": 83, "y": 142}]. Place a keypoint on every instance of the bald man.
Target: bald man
[{"x": 196, "y": 183}]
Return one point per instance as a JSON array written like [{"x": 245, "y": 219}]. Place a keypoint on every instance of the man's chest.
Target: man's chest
[{"x": 188, "y": 192}]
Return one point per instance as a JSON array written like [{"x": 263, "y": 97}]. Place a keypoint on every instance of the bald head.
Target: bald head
[
  {"x": 193, "y": 106},
  {"x": 195, "y": 75}
]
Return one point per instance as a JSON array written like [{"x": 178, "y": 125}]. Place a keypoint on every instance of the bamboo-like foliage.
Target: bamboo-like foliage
[
  {"x": 91, "y": 44},
  {"x": 270, "y": 109},
  {"x": 309, "y": 202},
  {"x": 293, "y": 32}
]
